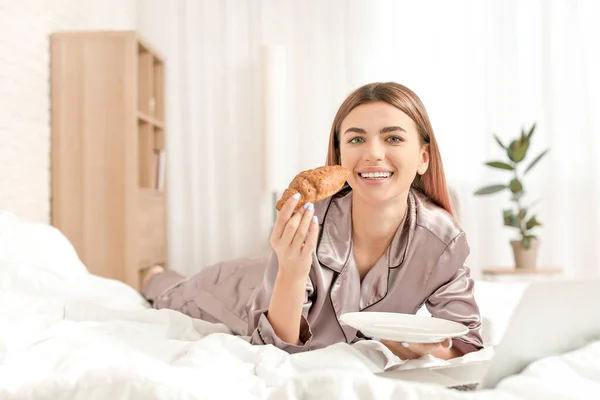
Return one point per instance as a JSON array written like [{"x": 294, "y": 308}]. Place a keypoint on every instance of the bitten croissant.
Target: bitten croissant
[{"x": 315, "y": 185}]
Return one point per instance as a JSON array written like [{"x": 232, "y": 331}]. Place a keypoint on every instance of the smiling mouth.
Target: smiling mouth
[{"x": 376, "y": 176}]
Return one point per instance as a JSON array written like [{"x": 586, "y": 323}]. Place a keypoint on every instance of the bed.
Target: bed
[{"x": 65, "y": 333}]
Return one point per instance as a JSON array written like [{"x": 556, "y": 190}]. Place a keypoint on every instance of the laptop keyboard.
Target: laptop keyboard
[{"x": 464, "y": 388}]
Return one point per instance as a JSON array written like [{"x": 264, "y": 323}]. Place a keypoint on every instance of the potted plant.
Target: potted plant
[{"x": 520, "y": 217}]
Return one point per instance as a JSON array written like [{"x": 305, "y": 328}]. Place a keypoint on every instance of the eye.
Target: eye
[
  {"x": 395, "y": 139},
  {"x": 356, "y": 140}
]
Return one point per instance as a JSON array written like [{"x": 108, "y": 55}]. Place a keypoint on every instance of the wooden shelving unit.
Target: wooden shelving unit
[{"x": 108, "y": 151}]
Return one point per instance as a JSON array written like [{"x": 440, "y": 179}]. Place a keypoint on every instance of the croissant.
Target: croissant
[{"x": 315, "y": 185}]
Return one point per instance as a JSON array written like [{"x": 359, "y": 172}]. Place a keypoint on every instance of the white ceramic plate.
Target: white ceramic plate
[{"x": 403, "y": 327}]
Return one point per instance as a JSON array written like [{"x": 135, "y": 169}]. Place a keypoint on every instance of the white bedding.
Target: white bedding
[{"x": 67, "y": 334}]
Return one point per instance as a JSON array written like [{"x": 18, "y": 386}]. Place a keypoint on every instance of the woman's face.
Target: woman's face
[{"x": 381, "y": 147}]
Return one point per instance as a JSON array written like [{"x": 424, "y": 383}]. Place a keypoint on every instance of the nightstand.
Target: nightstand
[{"x": 506, "y": 274}]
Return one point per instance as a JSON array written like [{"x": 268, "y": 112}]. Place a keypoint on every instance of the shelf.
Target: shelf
[
  {"x": 151, "y": 219},
  {"x": 150, "y": 84},
  {"x": 151, "y": 156},
  {"x": 147, "y": 161},
  {"x": 108, "y": 150},
  {"x": 150, "y": 120},
  {"x": 150, "y": 116},
  {"x": 159, "y": 95},
  {"x": 159, "y": 139}
]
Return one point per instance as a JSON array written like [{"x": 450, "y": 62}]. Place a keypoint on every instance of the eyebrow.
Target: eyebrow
[{"x": 387, "y": 129}]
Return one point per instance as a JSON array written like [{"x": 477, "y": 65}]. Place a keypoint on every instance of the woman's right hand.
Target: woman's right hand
[{"x": 294, "y": 239}]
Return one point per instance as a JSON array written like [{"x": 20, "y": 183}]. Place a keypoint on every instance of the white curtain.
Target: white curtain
[
  {"x": 495, "y": 67},
  {"x": 218, "y": 207},
  {"x": 480, "y": 68}
]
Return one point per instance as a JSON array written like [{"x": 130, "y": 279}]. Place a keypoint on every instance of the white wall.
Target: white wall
[
  {"x": 25, "y": 92},
  {"x": 153, "y": 22}
]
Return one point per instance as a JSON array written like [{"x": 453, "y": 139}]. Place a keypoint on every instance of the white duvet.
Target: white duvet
[{"x": 70, "y": 335}]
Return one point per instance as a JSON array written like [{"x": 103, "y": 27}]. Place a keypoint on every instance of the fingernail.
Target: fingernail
[
  {"x": 449, "y": 344},
  {"x": 315, "y": 219},
  {"x": 405, "y": 345},
  {"x": 296, "y": 196},
  {"x": 309, "y": 206}
]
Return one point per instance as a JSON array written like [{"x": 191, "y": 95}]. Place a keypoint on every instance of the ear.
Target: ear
[{"x": 424, "y": 162}]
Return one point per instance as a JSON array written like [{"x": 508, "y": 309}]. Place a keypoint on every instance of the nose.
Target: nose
[{"x": 374, "y": 151}]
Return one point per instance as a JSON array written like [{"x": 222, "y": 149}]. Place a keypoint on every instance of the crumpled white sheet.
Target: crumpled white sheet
[{"x": 67, "y": 334}]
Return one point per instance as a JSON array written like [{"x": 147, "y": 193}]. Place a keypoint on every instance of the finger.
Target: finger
[
  {"x": 419, "y": 349},
  {"x": 290, "y": 229},
  {"x": 313, "y": 235},
  {"x": 400, "y": 349},
  {"x": 300, "y": 235},
  {"x": 283, "y": 215},
  {"x": 414, "y": 349},
  {"x": 427, "y": 348}
]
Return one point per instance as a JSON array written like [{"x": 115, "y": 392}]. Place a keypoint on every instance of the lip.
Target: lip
[
  {"x": 374, "y": 169},
  {"x": 374, "y": 182}
]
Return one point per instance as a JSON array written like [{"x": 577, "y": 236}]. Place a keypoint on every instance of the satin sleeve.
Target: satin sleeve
[
  {"x": 452, "y": 294},
  {"x": 259, "y": 328}
]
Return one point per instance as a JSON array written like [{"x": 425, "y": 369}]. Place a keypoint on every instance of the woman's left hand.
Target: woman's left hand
[{"x": 411, "y": 351}]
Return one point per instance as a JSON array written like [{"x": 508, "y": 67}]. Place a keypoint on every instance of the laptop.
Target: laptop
[{"x": 551, "y": 318}]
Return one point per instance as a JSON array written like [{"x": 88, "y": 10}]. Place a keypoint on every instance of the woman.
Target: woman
[{"x": 386, "y": 242}]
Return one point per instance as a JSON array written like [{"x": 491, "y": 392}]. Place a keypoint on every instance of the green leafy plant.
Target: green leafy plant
[{"x": 518, "y": 217}]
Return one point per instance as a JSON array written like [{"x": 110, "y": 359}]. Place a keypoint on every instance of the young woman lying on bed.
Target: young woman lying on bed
[{"x": 387, "y": 242}]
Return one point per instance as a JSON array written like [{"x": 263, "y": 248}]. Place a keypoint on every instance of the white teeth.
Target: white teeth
[{"x": 376, "y": 174}]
